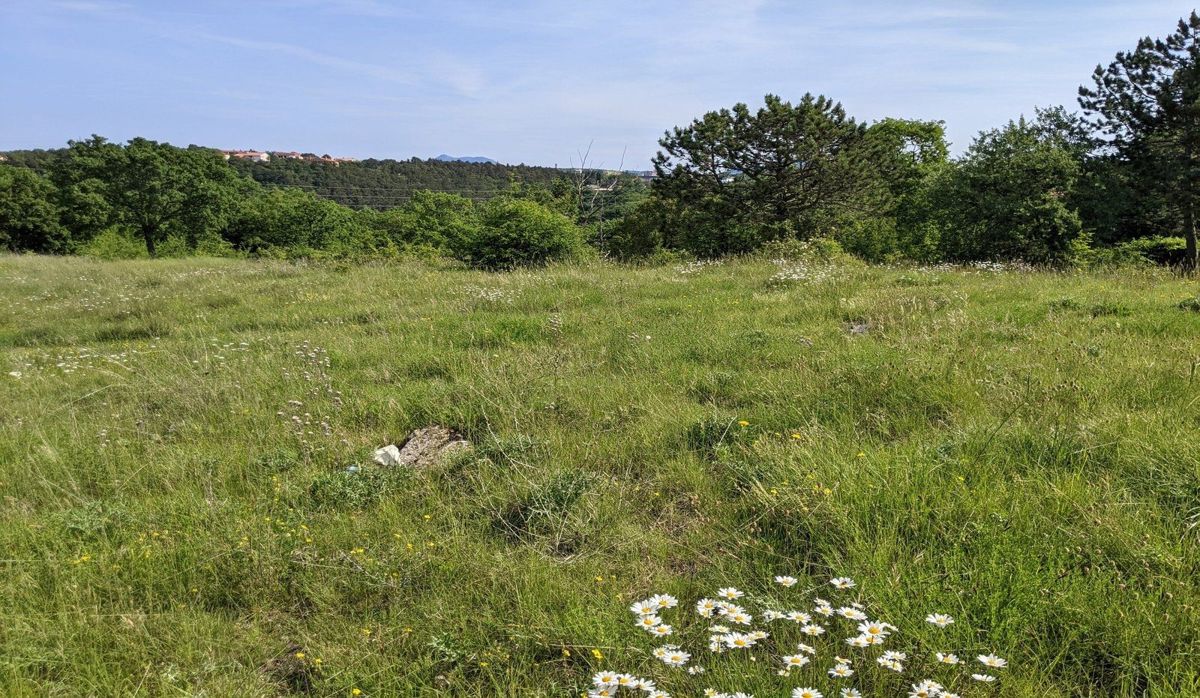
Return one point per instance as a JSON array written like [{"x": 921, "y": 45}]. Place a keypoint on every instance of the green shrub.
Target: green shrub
[
  {"x": 517, "y": 232},
  {"x": 1158, "y": 249},
  {"x": 113, "y": 243}
]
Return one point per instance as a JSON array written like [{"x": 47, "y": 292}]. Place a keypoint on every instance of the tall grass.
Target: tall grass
[{"x": 179, "y": 514}]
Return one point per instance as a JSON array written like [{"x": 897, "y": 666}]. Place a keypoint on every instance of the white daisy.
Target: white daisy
[
  {"x": 664, "y": 601},
  {"x": 945, "y": 658},
  {"x": 842, "y": 582},
  {"x": 648, "y": 622},
  {"x": 874, "y": 627},
  {"x": 730, "y": 593},
  {"x": 706, "y": 607},
  {"x": 841, "y": 671},
  {"x": 806, "y": 693},
  {"x": 941, "y": 620},
  {"x": 991, "y": 660},
  {"x": 851, "y": 693},
  {"x": 795, "y": 661},
  {"x": 786, "y": 581},
  {"x": 738, "y": 641},
  {"x": 662, "y": 630},
  {"x": 605, "y": 678},
  {"x": 799, "y": 617},
  {"x": 643, "y": 608},
  {"x": 851, "y": 613},
  {"x": 986, "y": 678},
  {"x": 813, "y": 630}
]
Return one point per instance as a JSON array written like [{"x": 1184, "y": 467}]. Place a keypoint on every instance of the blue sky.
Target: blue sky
[{"x": 529, "y": 80}]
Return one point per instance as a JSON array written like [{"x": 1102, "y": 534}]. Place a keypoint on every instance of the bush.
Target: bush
[
  {"x": 1158, "y": 249},
  {"x": 113, "y": 243},
  {"x": 517, "y": 232}
]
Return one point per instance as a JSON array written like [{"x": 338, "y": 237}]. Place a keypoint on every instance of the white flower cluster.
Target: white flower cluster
[
  {"x": 697, "y": 266},
  {"x": 730, "y": 630},
  {"x": 608, "y": 684},
  {"x": 800, "y": 272}
]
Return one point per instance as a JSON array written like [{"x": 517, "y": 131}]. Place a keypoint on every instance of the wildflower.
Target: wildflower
[
  {"x": 356, "y": 691},
  {"x": 676, "y": 658},
  {"x": 664, "y": 601},
  {"x": 807, "y": 649},
  {"x": 658, "y": 694},
  {"x": 841, "y": 671},
  {"x": 799, "y": 617},
  {"x": 743, "y": 423},
  {"x": 895, "y": 656},
  {"x": 806, "y": 693},
  {"x": 851, "y": 613},
  {"x": 726, "y": 608},
  {"x": 786, "y": 581},
  {"x": 706, "y": 607},
  {"x": 626, "y": 680},
  {"x": 760, "y": 635},
  {"x": 875, "y": 628},
  {"x": 891, "y": 664},
  {"x": 851, "y": 693},
  {"x": 741, "y": 618},
  {"x": 925, "y": 689},
  {"x": 644, "y": 608},
  {"x": 644, "y": 685},
  {"x": 858, "y": 641},
  {"x": 769, "y": 615},
  {"x": 842, "y": 582},
  {"x": 823, "y": 608},
  {"x": 986, "y": 678},
  {"x": 694, "y": 670},
  {"x": 605, "y": 678},
  {"x": 795, "y": 661},
  {"x": 605, "y": 692},
  {"x": 730, "y": 593},
  {"x": 947, "y": 658},
  {"x": 813, "y": 630},
  {"x": 662, "y": 630},
  {"x": 738, "y": 641},
  {"x": 991, "y": 660},
  {"x": 720, "y": 629},
  {"x": 648, "y": 622},
  {"x": 941, "y": 620},
  {"x": 597, "y": 654}
]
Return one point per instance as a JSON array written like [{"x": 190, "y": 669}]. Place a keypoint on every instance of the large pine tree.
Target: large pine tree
[{"x": 1146, "y": 103}]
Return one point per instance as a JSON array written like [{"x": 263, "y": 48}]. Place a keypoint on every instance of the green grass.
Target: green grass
[{"x": 1018, "y": 450}]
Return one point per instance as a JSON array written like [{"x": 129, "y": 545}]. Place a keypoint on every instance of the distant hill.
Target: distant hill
[
  {"x": 388, "y": 183},
  {"x": 362, "y": 183},
  {"x": 479, "y": 160}
]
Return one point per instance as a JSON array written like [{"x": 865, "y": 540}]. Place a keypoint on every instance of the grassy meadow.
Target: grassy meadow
[{"x": 180, "y": 514}]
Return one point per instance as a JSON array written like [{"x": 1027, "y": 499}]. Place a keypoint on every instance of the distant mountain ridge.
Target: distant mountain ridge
[{"x": 477, "y": 159}]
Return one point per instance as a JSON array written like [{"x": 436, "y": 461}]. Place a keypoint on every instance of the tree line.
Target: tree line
[{"x": 1117, "y": 178}]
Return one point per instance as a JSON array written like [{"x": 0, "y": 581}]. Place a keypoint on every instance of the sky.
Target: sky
[{"x": 533, "y": 81}]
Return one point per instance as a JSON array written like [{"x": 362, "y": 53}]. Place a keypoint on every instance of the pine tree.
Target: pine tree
[{"x": 1146, "y": 104}]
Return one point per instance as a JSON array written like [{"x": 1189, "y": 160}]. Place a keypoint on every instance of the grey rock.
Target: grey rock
[{"x": 427, "y": 446}]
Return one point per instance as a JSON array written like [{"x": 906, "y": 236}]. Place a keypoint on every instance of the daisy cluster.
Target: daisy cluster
[
  {"x": 608, "y": 684},
  {"x": 800, "y": 272},
  {"x": 728, "y": 628}
]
